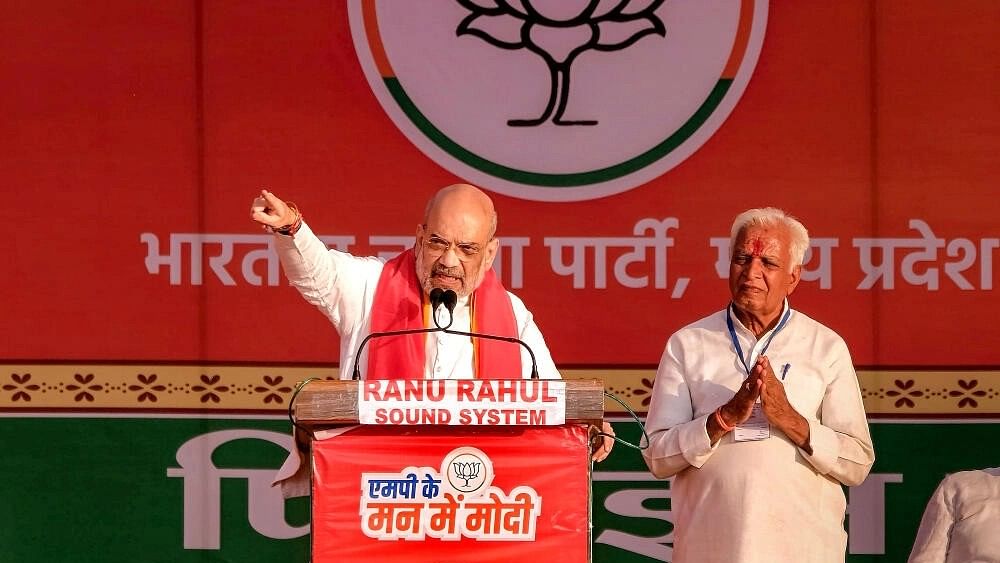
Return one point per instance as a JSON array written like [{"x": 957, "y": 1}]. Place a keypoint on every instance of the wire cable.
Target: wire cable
[
  {"x": 635, "y": 417},
  {"x": 291, "y": 404}
]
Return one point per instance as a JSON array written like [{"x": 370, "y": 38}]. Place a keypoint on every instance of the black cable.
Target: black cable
[
  {"x": 510, "y": 339},
  {"x": 291, "y": 404},
  {"x": 635, "y": 417}
]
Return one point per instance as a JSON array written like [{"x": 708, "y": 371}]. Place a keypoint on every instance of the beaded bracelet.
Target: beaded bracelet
[
  {"x": 291, "y": 229},
  {"x": 722, "y": 423}
]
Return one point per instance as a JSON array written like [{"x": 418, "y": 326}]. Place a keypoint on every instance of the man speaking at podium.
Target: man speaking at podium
[{"x": 454, "y": 250}]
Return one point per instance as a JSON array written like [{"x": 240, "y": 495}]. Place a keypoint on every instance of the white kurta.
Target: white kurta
[
  {"x": 765, "y": 501},
  {"x": 343, "y": 286},
  {"x": 962, "y": 521}
]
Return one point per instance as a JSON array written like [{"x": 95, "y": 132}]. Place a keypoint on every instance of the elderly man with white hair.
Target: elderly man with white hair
[{"x": 757, "y": 414}]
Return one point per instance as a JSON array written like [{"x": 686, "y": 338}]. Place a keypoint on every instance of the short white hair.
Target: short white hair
[{"x": 772, "y": 217}]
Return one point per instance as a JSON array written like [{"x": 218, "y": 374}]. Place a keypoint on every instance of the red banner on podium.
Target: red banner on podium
[{"x": 451, "y": 494}]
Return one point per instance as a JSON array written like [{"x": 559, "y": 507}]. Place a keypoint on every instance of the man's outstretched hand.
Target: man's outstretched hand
[{"x": 268, "y": 210}]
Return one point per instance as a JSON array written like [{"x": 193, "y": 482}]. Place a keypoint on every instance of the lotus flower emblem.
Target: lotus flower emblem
[
  {"x": 467, "y": 470},
  {"x": 559, "y": 31}
]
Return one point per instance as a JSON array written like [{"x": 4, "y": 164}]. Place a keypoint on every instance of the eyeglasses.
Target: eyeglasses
[{"x": 465, "y": 251}]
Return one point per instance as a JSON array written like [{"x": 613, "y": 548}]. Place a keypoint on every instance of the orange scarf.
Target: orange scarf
[{"x": 399, "y": 305}]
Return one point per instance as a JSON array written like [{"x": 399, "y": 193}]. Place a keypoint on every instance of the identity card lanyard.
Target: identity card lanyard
[
  {"x": 756, "y": 427},
  {"x": 736, "y": 342}
]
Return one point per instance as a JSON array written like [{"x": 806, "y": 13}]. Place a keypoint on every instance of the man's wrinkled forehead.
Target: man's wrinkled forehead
[
  {"x": 758, "y": 242},
  {"x": 459, "y": 228},
  {"x": 459, "y": 198}
]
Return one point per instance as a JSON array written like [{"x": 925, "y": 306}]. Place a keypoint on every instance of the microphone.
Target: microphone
[
  {"x": 437, "y": 297},
  {"x": 449, "y": 298}
]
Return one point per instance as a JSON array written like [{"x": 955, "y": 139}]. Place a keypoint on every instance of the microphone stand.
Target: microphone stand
[
  {"x": 511, "y": 339},
  {"x": 449, "y": 299},
  {"x": 357, "y": 370},
  {"x": 436, "y": 297}
]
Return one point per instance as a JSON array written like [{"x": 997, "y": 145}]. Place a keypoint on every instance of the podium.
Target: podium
[{"x": 450, "y": 471}]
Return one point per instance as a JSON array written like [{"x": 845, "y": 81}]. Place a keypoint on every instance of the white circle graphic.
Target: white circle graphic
[
  {"x": 467, "y": 470},
  {"x": 552, "y": 102}
]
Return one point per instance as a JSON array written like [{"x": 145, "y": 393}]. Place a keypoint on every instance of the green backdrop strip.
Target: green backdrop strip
[{"x": 82, "y": 490}]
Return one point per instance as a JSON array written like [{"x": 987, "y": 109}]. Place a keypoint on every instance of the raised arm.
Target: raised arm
[
  {"x": 272, "y": 213},
  {"x": 338, "y": 284}
]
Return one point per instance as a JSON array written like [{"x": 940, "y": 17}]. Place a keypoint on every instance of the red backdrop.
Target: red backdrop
[{"x": 122, "y": 119}]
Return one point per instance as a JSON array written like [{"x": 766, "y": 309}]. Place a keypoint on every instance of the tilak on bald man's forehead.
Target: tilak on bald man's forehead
[{"x": 758, "y": 243}]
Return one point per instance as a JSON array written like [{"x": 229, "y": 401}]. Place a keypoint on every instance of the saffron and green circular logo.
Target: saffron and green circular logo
[{"x": 558, "y": 100}]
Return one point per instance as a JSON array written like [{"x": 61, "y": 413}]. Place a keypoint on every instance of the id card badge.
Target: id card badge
[{"x": 754, "y": 428}]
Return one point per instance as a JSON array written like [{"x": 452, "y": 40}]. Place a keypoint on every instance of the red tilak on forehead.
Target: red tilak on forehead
[{"x": 758, "y": 247}]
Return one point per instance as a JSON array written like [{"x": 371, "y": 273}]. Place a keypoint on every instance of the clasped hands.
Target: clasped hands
[{"x": 764, "y": 384}]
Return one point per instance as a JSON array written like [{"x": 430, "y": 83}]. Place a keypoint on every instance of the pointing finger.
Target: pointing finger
[
  {"x": 272, "y": 200},
  {"x": 259, "y": 204}
]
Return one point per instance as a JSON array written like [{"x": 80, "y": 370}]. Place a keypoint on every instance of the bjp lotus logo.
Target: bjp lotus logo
[
  {"x": 558, "y": 100},
  {"x": 559, "y": 32},
  {"x": 467, "y": 470}
]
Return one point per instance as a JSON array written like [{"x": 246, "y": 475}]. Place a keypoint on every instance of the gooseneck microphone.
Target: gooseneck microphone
[{"x": 449, "y": 298}]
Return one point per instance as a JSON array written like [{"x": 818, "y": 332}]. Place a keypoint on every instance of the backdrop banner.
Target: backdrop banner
[{"x": 150, "y": 343}]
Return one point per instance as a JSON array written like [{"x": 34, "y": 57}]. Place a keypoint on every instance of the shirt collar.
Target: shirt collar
[{"x": 731, "y": 311}]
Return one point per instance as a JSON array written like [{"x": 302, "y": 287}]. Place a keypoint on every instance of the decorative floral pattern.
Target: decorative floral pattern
[
  {"x": 272, "y": 389},
  {"x": 261, "y": 389},
  {"x": 957, "y": 396},
  {"x": 967, "y": 393},
  {"x": 146, "y": 388},
  {"x": 22, "y": 388},
  {"x": 905, "y": 387},
  {"x": 210, "y": 388},
  {"x": 84, "y": 384}
]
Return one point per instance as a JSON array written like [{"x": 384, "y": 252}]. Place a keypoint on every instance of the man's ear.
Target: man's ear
[
  {"x": 491, "y": 252},
  {"x": 796, "y": 276},
  {"x": 419, "y": 237}
]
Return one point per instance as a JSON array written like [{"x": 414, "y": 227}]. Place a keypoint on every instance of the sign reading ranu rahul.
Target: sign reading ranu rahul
[{"x": 499, "y": 402}]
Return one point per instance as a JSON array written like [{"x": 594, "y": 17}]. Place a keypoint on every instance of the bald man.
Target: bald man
[{"x": 454, "y": 249}]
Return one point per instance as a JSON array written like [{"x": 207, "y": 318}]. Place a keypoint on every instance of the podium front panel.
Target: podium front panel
[{"x": 446, "y": 494}]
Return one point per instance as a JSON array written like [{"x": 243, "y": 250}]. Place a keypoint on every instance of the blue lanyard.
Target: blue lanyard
[{"x": 736, "y": 342}]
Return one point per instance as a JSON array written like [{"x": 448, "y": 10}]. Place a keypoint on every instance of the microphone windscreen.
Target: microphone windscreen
[
  {"x": 450, "y": 298},
  {"x": 436, "y": 296}
]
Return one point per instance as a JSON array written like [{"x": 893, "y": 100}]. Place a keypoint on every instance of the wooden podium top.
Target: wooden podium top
[{"x": 324, "y": 403}]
